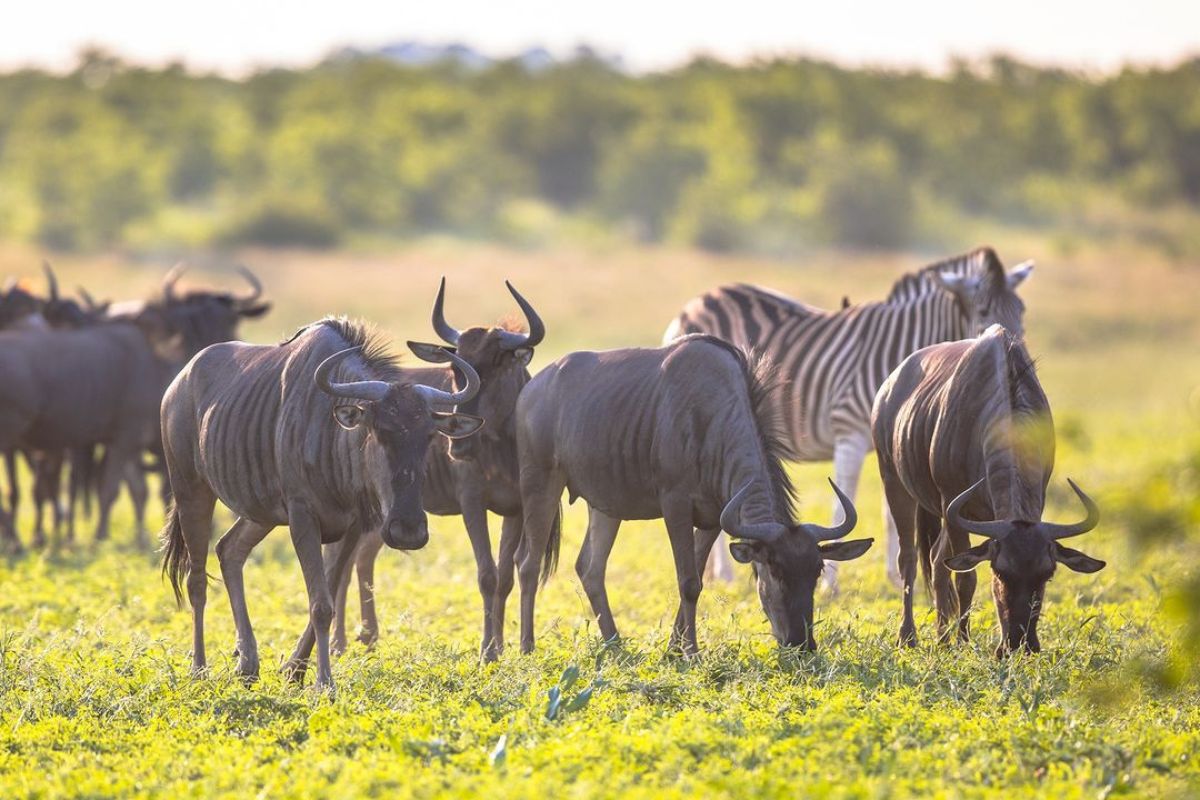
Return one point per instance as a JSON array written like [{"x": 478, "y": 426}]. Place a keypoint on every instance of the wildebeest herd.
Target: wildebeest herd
[{"x": 325, "y": 433}]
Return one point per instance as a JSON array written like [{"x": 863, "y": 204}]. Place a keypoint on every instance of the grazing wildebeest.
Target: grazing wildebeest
[
  {"x": 680, "y": 432},
  {"x": 64, "y": 389},
  {"x": 964, "y": 433},
  {"x": 469, "y": 476},
  {"x": 321, "y": 433},
  {"x": 834, "y": 361}
]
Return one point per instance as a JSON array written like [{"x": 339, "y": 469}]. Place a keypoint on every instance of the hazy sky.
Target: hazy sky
[{"x": 234, "y": 35}]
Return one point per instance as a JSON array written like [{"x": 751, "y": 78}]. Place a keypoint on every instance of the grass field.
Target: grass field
[{"x": 96, "y": 701}]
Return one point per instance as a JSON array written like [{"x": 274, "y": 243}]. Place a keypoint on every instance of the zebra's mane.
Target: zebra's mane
[{"x": 982, "y": 262}]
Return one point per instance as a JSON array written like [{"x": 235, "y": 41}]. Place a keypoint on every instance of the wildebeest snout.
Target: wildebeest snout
[{"x": 401, "y": 534}]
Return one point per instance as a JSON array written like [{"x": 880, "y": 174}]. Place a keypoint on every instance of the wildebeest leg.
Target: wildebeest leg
[
  {"x": 892, "y": 535},
  {"x": 45, "y": 491},
  {"x": 705, "y": 539},
  {"x": 364, "y": 567},
  {"x": 904, "y": 510},
  {"x": 945, "y": 598},
  {"x": 541, "y": 491},
  {"x": 232, "y": 550},
  {"x": 964, "y": 584},
  {"x": 677, "y": 514},
  {"x": 592, "y": 565},
  {"x": 135, "y": 481},
  {"x": 337, "y": 640},
  {"x": 474, "y": 516},
  {"x": 195, "y": 510},
  {"x": 115, "y": 458},
  {"x": 8, "y": 517},
  {"x": 510, "y": 539},
  {"x": 317, "y": 578},
  {"x": 718, "y": 564},
  {"x": 849, "y": 451}
]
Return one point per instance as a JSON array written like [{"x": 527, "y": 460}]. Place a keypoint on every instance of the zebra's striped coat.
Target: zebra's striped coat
[{"x": 831, "y": 363}]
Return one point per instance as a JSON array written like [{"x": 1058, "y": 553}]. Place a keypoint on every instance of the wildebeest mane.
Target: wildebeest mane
[
  {"x": 382, "y": 364},
  {"x": 762, "y": 379}
]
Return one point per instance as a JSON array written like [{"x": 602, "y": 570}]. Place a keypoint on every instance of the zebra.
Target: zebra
[{"x": 832, "y": 363}]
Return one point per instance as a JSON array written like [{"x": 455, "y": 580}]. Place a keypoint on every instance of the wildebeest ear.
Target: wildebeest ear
[
  {"x": 845, "y": 551},
  {"x": 456, "y": 426},
  {"x": 1018, "y": 274},
  {"x": 523, "y": 355},
  {"x": 253, "y": 312},
  {"x": 745, "y": 552},
  {"x": 970, "y": 559},
  {"x": 433, "y": 353},
  {"x": 349, "y": 417},
  {"x": 1075, "y": 560}
]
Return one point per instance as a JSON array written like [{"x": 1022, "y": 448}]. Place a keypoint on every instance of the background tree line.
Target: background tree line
[{"x": 768, "y": 156}]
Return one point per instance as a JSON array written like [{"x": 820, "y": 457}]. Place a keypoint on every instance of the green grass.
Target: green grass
[{"x": 96, "y": 701}]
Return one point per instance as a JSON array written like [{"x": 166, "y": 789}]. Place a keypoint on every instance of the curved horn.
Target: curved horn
[
  {"x": 449, "y": 335},
  {"x": 371, "y": 391},
  {"x": 51, "y": 280},
  {"x": 992, "y": 530},
  {"x": 850, "y": 519},
  {"x": 256, "y": 288},
  {"x": 537, "y": 330},
  {"x": 88, "y": 300},
  {"x": 170, "y": 279},
  {"x": 1053, "y": 531},
  {"x": 731, "y": 521},
  {"x": 453, "y": 398}
]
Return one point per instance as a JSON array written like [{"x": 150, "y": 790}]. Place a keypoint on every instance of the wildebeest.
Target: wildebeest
[
  {"x": 469, "y": 476},
  {"x": 680, "y": 432},
  {"x": 64, "y": 389},
  {"x": 835, "y": 361},
  {"x": 964, "y": 433},
  {"x": 321, "y": 433}
]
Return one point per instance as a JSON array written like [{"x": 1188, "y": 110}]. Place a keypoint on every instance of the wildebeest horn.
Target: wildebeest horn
[
  {"x": 449, "y": 335},
  {"x": 991, "y": 529},
  {"x": 823, "y": 534},
  {"x": 537, "y": 330},
  {"x": 1053, "y": 531},
  {"x": 50, "y": 279},
  {"x": 256, "y": 288},
  {"x": 453, "y": 398},
  {"x": 731, "y": 521},
  {"x": 88, "y": 300},
  {"x": 170, "y": 279},
  {"x": 372, "y": 391}
]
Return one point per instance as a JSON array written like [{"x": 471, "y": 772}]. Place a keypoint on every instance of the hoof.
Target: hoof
[
  {"x": 907, "y": 638},
  {"x": 368, "y": 638},
  {"x": 293, "y": 672}
]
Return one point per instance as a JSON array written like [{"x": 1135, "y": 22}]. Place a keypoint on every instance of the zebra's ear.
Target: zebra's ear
[
  {"x": 1018, "y": 274},
  {"x": 961, "y": 285}
]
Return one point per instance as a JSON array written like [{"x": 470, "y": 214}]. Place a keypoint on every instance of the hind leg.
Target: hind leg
[
  {"x": 541, "y": 491},
  {"x": 195, "y": 510},
  {"x": 905, "y": 512},
  {"x": 135, "y": 481},
  {"x": 232, "y": 551},
  {"x": 592, "y": 565}
]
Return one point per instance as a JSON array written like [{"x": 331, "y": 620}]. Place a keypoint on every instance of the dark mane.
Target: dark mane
[
  {"x": 980, "y": 262},
  {"x": 762, "y": 378},
  {"x": 384, "y": 365},
  {"x": 1025, "y": 390}
]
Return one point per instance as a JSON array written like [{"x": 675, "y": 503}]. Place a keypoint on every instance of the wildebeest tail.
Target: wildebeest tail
[
  {"x": 925, "y": 553},
  {"x": 175, "y": 559},
  {"x": 553, "y": 544}
]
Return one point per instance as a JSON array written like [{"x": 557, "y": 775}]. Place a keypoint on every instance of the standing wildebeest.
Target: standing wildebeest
[
  {"x": 834, "y": 361},
  {"x": 280, "y": 439},
  {"x": 950, "y": 419},
  {"x": 64, "y": 389},
  {"x": 680, "y": 432},
  {"x": 468, "y": 476}
]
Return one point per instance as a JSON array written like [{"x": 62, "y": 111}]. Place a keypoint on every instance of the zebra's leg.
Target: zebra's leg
[
  {"x": 894, "y": 570},
  {"x": 719, "y": 566},
  {"x": 849, "y": 452}
]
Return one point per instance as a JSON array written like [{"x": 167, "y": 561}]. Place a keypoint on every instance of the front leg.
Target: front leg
[
  {"x": 677, "y": 513},
  {"x": 306, "y": 539},
  {"x": 474, "y": 514},
  {"x": 849, "y": 452}
]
